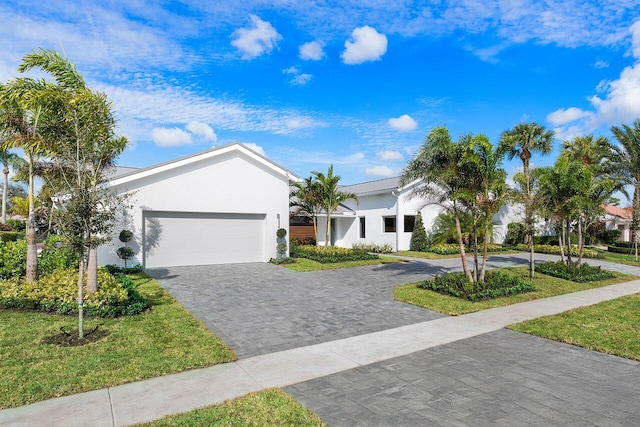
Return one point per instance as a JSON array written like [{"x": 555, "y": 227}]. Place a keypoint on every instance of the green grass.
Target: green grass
[
  {"x": 164, "y": 339},
  {"x": 431, "y": 255},
  {"x": 305, "y": 265},
  {"x": 611, "y": 327},
  {"x": 267, "y": 408},
  {"x": 620, "y": 258},
  {"x": 546, "y": 286}
]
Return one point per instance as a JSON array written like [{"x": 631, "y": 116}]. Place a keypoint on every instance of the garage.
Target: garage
[{"x": 188, "y": 238}]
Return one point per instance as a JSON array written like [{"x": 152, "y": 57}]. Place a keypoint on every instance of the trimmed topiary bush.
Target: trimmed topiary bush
[
  {"x": 57, "y": 292},
  {"x": 372, "y": 247},
  {"x": 497, "y": 284},
  {"x": 515, "y": 233},
  {"x": 419, "y": 241},
  {"x": 573, "y": 272}
]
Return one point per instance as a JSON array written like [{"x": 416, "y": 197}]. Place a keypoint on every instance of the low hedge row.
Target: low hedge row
[
  {"x": 329, "y": 254},
  {"x": 372, "y": 247},
  {"x": 573, "y": 272},
  {"x": 57, "y": 292},
  {"x": 621, "y": 249},
  {"x": 555, "y": 250},
  {"x": 454, "y": 248},
  {"x": 497, "y": 284}
]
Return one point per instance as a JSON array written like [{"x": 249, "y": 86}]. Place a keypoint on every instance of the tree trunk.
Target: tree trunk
[
  {"x": 315, "y": 228},
  {"x": 5, "y": 187},
  {"x": 635, "y": 216},
  {"x": 580, "y": 243},
  {"x": 463, "y": 255},
  {"x": 475, "y": 252},
  {"x": 328, "y": 231},
  {"x": 32, "y": 249},
  {"x": 561, "y": 243},
  {"x": 568, "y": 231},
  {"x": 81, "y": 298},
  {"x": 92, "y": 271},
  {"x": 485, "y": 250}
]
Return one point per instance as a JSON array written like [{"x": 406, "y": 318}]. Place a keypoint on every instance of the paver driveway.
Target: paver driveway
[{"x": 262, "y": 308}]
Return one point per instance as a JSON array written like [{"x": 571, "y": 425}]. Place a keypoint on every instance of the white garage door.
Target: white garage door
[{"x": 186, "y": 238}]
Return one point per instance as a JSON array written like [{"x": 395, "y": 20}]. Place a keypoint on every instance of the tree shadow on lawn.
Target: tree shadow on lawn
[
  {"x": 416, "y": 268},
  {"x": 160, "y": 273}
]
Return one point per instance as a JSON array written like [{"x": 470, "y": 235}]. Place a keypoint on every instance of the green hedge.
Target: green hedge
[
  {"x": 372, "y": 247},
  {"x": 57, "y": 292},
  {"x": 555, "y": 250},
  {"x": 573, "y": 272},
  {"x": 497, "y": 284},
  {"x": 621, "y": 250},
  {"x": 329, "y": 254},
  {"x": 454, "y": 248}
]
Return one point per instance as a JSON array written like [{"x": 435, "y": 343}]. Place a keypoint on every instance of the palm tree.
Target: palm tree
[
  {"x": 436, "y": 168},
  {"x": 626, "y": 160},
  {"x": 587, "y": 150},
  {"x": 331, "y": 197},
  {"x": 306, "y": 196},
  {"x": 8, "y": 159},
  {"x": 521, "y": 141}
]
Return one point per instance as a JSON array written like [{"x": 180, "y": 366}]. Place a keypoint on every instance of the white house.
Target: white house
[
  {"x": 619, "y": 219},
  {"x": 219, "y": 206},
  {"x": 386, "y": 214}
]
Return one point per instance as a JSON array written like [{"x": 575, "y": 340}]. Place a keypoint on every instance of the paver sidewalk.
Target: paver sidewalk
[{"x": 151, "y": 399}]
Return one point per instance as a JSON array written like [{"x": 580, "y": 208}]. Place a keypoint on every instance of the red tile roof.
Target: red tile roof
[{"x": 624, "y": 213}]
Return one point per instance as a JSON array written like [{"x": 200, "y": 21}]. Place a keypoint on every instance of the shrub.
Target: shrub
[
  {"x": 279, "y": 261},
  {"x": 372, "y": 247},
  {"x": 454, "y": 248},
  {"x": 9, "y": 236},
  {"x": 56, "y": 255},
  {"x": 582, "y": 273},
  {"x": 125, "y": 253},
  {"x": 310, "y": 241},
  {"x": 546, "y": 240},
  {"x": 609, "y": 237},
  {"x": 497, "y": 284},
  {"x": 57, "y": 292},
  {"x": 16, "y": 224},
  {"x": 330, "y": 254},
  {"x": 621, "y": 250},
  {"x": 515, "y": 233},
  {"x": 280, "y": 233},
  {"x": 13, "y": 259},
  {"x": 623, "y": 244},
  {"x": 555, "y": 250},
  {"x": 114, "y": 269},
  {"x": 419, "y": 241},
  {"x": 125, "y": 236}
]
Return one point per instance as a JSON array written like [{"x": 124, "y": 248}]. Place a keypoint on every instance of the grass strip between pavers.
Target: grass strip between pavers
[
  {"x": 546, "y": 286},
  {"x": 611, "y": 327},
  {"x": 304, "y": 265},
  {"x": 165, "y": 339},
  {"x": 267, "y": 408}
]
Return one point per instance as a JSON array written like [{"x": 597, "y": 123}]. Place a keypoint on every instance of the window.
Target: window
[
  {"x": 389, "y": 224},
  {"x": 409, "y": 223},
  {"x": 362, "y": 228}
]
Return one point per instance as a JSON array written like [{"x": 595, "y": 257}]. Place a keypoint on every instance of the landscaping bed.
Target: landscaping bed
[
  {"x": 573, "y": 272},
  {"x": 330, "y": 254},
  {"x": 267, "y": 408},
  {"x": 162, "y": 340},
  {"x": 610, "y": 327},
  {"x": 497, "y": 284},
  {"x": 545, "y": 286},
  {"x": 454, "y": 248},
  {"x": 555, "y": 250}
]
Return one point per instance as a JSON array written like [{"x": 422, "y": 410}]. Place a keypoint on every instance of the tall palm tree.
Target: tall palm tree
[
  {"x": 587, "y": 150},
  {"x": 626, "y": 160},
  {"x": 330, "y": 195},
  {"x": 12, "y": 160},
  {"x": 521, "y": 141},
  {"x": 440, "y": 179},
  {"x": 306, "y": 197}
]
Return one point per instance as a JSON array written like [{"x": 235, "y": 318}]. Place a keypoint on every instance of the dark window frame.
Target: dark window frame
[
  {"x": 389, "y": 228},
  {"x": 363, "y": 228}
]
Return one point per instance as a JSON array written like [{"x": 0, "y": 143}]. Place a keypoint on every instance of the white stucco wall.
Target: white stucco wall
[{"x": 232, "y": 182}]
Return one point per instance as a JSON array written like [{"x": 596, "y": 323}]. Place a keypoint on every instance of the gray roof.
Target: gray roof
[
  {"x": 379, "y": 185},
  {"x": 121, "y": 170}
]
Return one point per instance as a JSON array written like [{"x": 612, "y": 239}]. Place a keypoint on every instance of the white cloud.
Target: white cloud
[
  {"x": 255, "y": 147},
  {"x": 619, "y": 102},
  {"x": 566, "y": 115},
  {"x": 404, "y": 123},
  {"x": 256, "y": 40},
  {"x": 383, "y": 171},
  {"x": 311, "y": 51},
  {"x": 300, "y": 123},
  {"x": 203, "y": 130},
  {"x": 390, "y": 156},
  {"x": 299, "y": 78},
  {"x": 601, "y": 64},
  {"x": 365, "y": 44},
  {"x": 170, "y": 137}
]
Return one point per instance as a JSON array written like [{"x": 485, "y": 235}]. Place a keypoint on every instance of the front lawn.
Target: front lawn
[
  {"x": 610, "y": 327},
  {"x": 165, "y": 339},
  {"x": 305, "y": 265},
  {"x": 264, "y": 409},
  {"x": 545, "y": 286},
  {"x": 620, "y": 258}
]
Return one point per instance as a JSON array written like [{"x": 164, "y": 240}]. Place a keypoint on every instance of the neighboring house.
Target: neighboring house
[
  {"x": 619, "y": 219},
  {"x": 219, "y": 206},
  {"x": 386, "y": 214}
]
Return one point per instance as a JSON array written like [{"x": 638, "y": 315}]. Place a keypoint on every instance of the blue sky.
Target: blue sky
[{"x": 355, "y": 83}]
